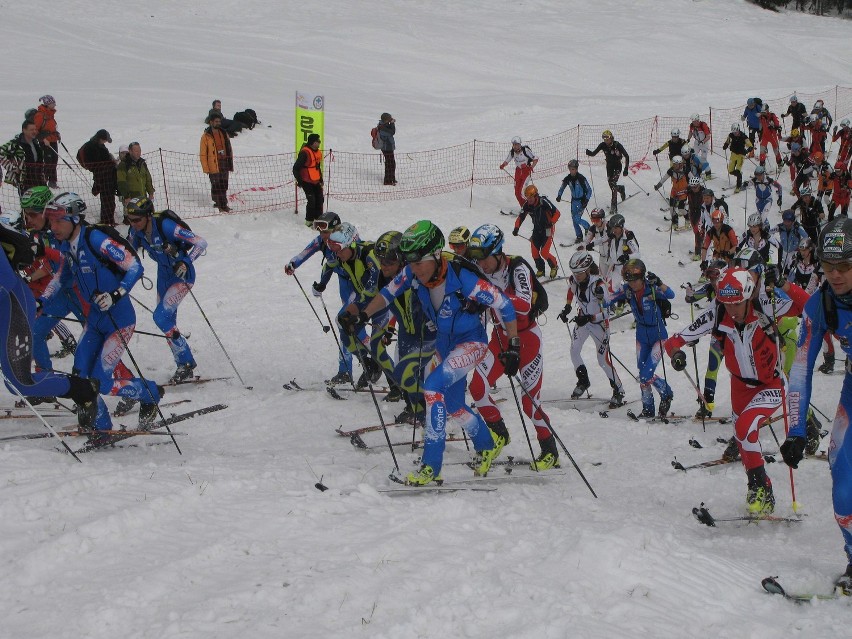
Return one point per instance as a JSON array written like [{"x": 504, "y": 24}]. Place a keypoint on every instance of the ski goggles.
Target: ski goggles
[
  {"x": 632, "y": 276},
  {"x": 477, "y": 252},
  {"x": 842, "y": 267},
  {"x": 55, "y": 213},
  {"x": 322, "y": 226},
  {"x": 335, "y": 247}
]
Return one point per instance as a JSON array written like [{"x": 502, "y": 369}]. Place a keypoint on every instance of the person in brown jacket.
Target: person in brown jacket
[
  {"x": 45, "y": 121},
  {"x": 217, "y": 160}
]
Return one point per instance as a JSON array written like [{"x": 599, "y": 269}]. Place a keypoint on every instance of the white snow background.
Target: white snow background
[{"x": 232, "y": 539}]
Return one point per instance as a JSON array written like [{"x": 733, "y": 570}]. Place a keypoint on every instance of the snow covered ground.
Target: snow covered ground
[{"x": 232, "y": 539}]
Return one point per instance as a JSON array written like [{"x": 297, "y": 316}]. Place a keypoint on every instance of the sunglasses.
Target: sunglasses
[
  {"x": 388, "y": 261},
  {"x": 135, "y": 220},
  {"x": 841, "y": 267}
]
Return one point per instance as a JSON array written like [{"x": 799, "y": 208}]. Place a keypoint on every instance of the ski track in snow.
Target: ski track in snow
[{"x": 232, "y": 539}]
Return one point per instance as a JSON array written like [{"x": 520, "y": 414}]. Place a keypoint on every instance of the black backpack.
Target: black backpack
[
  {"x": 109, "y": 231},
  {"x": 665, "y": 307},
  {"x": 174, "y": 217},
  {"x": 540, "y": 302}
]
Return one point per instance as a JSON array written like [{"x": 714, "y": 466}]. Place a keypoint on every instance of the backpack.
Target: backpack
[
  {"x": 171, "y": 215},
  {"x": 665, "y": 308},
  {"x": 540, "y": 302},
  {"x": 376, "y": 141},
  {"x": 110, "y": 232}
]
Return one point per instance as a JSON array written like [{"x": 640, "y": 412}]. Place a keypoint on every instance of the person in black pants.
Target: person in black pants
[
  {"x": 387, "y": 129},
  {"x": 614, "y": 152}
]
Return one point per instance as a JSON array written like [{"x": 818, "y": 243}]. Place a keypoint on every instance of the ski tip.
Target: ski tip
[
  {"x": 357, "y": 442},
  {"x": 771, "y": 585},
  {"x": 331, "y": 391},
  {"x": 320, "y": 487},
  {"x": 677, "y": 465},
  {"x": 603, "y": 414},
  {"x": 703, "y": 516}
]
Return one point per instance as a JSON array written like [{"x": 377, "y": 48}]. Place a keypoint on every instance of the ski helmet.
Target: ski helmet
[
  {"x": 708, "y": 193},
  {"x": 715, "y": 269},
  {"x": 694, "y": 180},
  {"x": 748, "y": 258},
  {"x": 717, "y": 215},
  {"x": 140, "y": 206},
  {"x": 817, "y": 157},
  {"x": 47, "y": 100},
  {"x": 750, "y": 102},
  {"x": 633, "y": 270},
  {"x": 755, "y": 219},
  {"x": 805, "y": 189},
  {"x": 686, "y": 151},
  {"x": 66, "y": 206},
  {"x": 597, "y": 214},
  {"x": 421, "y": 240},
  {"x": 615, "y": 221},
  {"x": 36, "y": 198},
  {"x": 531, "y": 190},
  {"x": 387, "y": 247},
  {"x": 735, "y": 127},
  {"x": 580, "y": 261},
  {"x": 795, "y": 133},
  {"x": 844, "y": 123},
  {"x": 835, "y": 241},
  {"x": 573, "y": 164},
  {"x": 328, "y": 221},
  {"x": 13, "y": 220},
  {"x": 486, "y": 240},
  {"x": 793, "y": 99},
  {"x": 607, "y": 134},
  {"x": 819, "y": 104},
  {"x": 765, "y": 107},
  {"x": 759, "y": 170},
  {"x": 675, "y": 133},
  {"x": 807, "y": 244},
  {"x": 795, "y": 147},
  {"x": 342, "y": 237},
  {"x": 788, "y": 216},
  {"x": 515, "y": 140},
  {"x": 735, "y": 286},
  {"x": 459, "y": 235},
  {"x": 694, "y": 117},
  {"x": 677, "y": 160}
]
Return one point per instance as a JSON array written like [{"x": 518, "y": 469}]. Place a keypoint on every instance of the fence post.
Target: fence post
[
  {"x": 329, "y": 160},
  {"x": 712, "y": 137},
  {"x": 473, "y": 171},
  {"x": 165, "y": 184},
  {"x": 578, "y": 144}
]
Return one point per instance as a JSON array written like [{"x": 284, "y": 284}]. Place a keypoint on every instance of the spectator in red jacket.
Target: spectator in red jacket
[{"x": 45, "y": 121}]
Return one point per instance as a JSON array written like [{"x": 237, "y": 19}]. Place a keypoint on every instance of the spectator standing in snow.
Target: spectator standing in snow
[
  {"x": 387, "y": 129},
  {"x": 45, "y": 121},
  {"x": 307, "y": 169},
  {"x": 134, "y": 178},
  {"x": 23, "y": 159},
  {"x": 95, "y": 157},
  {"x": 217, "y": 161}
]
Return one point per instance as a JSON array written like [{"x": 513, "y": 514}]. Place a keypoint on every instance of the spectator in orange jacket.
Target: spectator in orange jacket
[
  {"x": 217, "y": 160},
  {"x": 308, "y": 173},
  {"x": 45, "y": 121}
]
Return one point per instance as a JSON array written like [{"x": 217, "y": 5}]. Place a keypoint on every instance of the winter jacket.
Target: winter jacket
[
  {"x": 45, "y": 120},
  {"x": 386, "y": 132},
  {"x": 215, "y": 152},
  {"x": 134, "y": 178},
  {"x": 95, "y": 157},
  {"x": 24, "y": 162}
]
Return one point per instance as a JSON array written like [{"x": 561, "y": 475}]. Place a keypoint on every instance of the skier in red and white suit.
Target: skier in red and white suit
[
  {"x": 743, "y": 323},
  {"x": 513, "y": 276},
  {"x": 525, "y": 161}
]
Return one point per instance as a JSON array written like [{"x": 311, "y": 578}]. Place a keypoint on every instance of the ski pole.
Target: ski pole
[
  {"x": 592, "y": 181},
  {"x": 135, "y": 331},
  {"x": 518, "y": 403},
  {"x": 337, "y": 341},
  {"x": 695, "y": 364},
  {"x": 659, "y": 314},
  {"x": 820, "y": 412},
  {"x": 659, "y": 170},
  {"x": 726, "y": 165},
  {"x": 325, "y": 328},
  {"x": 630, "y": 177},
  {"x": 40, "y": 418},
  {"x": 221, "y": 345},
  {"x": 142, "y": 304},
  {"x": 71, "y": 156}
]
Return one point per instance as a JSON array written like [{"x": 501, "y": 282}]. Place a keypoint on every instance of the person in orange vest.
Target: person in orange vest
[
  {"x": 45, "y": 121},
  {"x": 217, "y": 160},
  {"x": 307, "y": 169}
]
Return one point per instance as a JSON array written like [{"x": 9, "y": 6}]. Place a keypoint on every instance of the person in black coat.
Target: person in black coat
[
  {"x": 387, "y": 129},
  {"x": 23, "y": 158},
  {"x": 95, "y": 157}
]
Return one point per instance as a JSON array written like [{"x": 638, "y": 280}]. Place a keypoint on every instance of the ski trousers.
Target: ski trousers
[
  {"x": 170, "y": 292},
  {"x": 522, "y": 175},
  {"x": 648, "y": 355},
  {"x": 840, "y": 460},
  {"x": 750, "y": 406},
  {"x": 62, "y": 304},
  {"x": 412, "y": 356},
  {"x": 600, "y": 338},
  {"x": 580, "y": 225}
]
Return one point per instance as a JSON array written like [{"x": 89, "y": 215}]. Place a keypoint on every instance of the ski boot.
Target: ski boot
[
  {"x": 583, "y": 383},
  {"x": 394, "y": 395},
  {"x": 35, "y": 401},
  {"x": 549, "y": 457},
  {"x": 539, "y": 272},
  {"x": 124, "y": 406},
  {"x": 827, "y": 366},
  {"x": 69, "y": 346},
  {"x": 732, "y": 452},
  {"x": 705, "y": 411},
  {"x": 554, "y": 271},
  {"x": 148, "y": 412},
  {"x": 499, "y": 429},
  {"x": 99, "y": 439},
  {"x": 372, "y": 373},
  {"x": 485, "y": 457},
  {"x": 183, "y": 373},
  {"x": 843, "y": 585},
  {"x": 426, "y": 475},
  {"x": 578, "y": 241},
  {"x": 665, "y": 405},
  {"x": 622, "y": 192},
  {"x": 87, "y": 412},
  {"x": 760, "y": 498},
  {"x": 814, "y": 434},
  {"x": 617, "y": 398},
  {"x": 648, "y": 413},
  {"x": 343, "y": 377}
]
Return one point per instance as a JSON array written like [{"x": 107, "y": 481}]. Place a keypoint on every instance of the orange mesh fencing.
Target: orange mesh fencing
[{"x": 266, "y": 183}]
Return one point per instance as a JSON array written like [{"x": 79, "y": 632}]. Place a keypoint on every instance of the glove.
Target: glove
[
  {"x": 503, "y": 166},
  {"x": 588, "y": 152},
  {"x": 582, "y": 319},
  {"x": 657, "y": 186},
  {"x": 656, "y": 151},
  {"x": 778, "y": 201},
  {"x": 653, "y": 279},
  {"x": 771, "y": 275},
  {"x": 624, "y": 173},
  {"x": 704, "y": 264},
  {"x": 515, "y": 232},
  {"x": 590, "y": 246},
  {"x": 511, "y": 358},
  {"x": 792, "y": 450},
  {"x": 564, "y": 314},
  {"x": 318, "y": 289},
  {"x": 558, "y": 198},
  {"x": 351, "y": 323},
  {"x": 180, "y": 269},
  {"x": 623, "y": 259},
  {"x": 678, "y": 360},
  {"x": 106, "y": 301},
  {"x": 599, "y": 292},
  {"x": 290, "y": 268},
  {"x": 387, "y": 338}
]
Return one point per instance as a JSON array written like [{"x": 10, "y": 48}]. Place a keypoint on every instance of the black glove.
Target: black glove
[
  {"x": 583, "y": 319},
  {"x": 590, "y": 246},
  {"x": 656, "y": 151},
  {"x": 704, "y": 264},
  {"x": 771, "y": 275},
  {"x": 599, "y": 292},
  {"x": 653, "y": 279},
  {"x": 792, "y": 450},
  {"x": 678, "y": 360},
  {"x": 319, "y": 287},
  {"x": 778, "y": 201},
  {"x": 387, "y": 336},
  {"x": 515, "y": 232},
  {"x": 511, "y": 358},
  {"x": 623, "y": 259},
  {"x": 39, "y": 306},
  {"x": 624, "y": 173},
  {"x": 588, "y": 152},
  {"x": 564, "y": 314},
  {"x": 657, "y": 186},
  {"x": 351, "y": 323},
  {"x": 558, "y": 198}
]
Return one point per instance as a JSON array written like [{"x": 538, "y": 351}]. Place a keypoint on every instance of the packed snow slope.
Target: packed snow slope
[{"x": 232, "y": 539}]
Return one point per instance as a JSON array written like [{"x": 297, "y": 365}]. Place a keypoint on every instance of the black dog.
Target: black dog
[{"x": 248, "y": 118}]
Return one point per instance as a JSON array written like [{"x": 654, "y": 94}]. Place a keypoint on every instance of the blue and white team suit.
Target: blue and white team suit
[
  {"x": 650, "y": 335},
  {"x": 170, "y": 244},
  {"x": 581, "y": 194},
  {"x": 453, "y": 306},
  {"x": 763, "y": 197},
  {"x": 813, "y": 327},
  {"x": 102, "y": 265}
]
